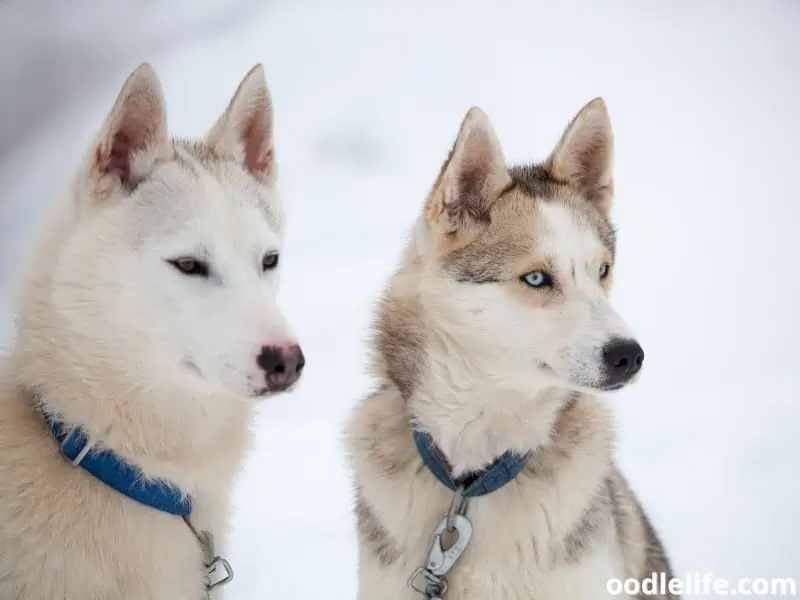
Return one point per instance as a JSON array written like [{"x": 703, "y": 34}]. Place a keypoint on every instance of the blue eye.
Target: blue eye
[
  {"x": 604, "y": 270},
  {"x": 537, "y": 279}
]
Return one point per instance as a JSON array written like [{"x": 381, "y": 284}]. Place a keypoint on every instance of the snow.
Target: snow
[{"x": 368, "y": 98}]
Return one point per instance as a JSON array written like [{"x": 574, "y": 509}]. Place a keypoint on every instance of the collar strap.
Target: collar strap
[
  {"x": 116, "y": 472},
  {"x": 479, "y": 483}
]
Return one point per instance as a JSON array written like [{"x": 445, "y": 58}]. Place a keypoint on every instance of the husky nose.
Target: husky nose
[
  {"x": 622, "y": 360},
  {"x": 282, "y": 364}
]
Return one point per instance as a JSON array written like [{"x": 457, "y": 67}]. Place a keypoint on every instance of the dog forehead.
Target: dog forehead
[
  {"x": 183, "y": 202},
  {"x": 554, "y": 221},
  {"x": 568, "y": 212},
  {"x": 565, "y": 230},
  {"x": 526, "y": 229},
  {"x": 231, "y": 176}
]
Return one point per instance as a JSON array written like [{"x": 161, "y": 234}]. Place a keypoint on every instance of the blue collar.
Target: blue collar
[
  {"x": 117, "y": 473},
  {"x": 479, "y": 483}
]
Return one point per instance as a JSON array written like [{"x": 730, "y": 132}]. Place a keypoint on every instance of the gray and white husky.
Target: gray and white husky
[{"x": 494, "y": 336}]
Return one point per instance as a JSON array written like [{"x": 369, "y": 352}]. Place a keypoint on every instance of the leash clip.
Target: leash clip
[
  {"x": 212, "y": 562},
  {"x": 441, "y": 560}
]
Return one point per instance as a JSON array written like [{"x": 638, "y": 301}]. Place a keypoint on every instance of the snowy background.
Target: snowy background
[{"x": 368, "y": 98}]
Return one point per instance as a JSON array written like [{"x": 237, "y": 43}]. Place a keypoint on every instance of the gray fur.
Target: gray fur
[{"x": 569, "y": 519}]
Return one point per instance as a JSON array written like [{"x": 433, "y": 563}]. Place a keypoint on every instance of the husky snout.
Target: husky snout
[
  {"x": 622, "y": 360},
  {"x": 282, "y": 363}
]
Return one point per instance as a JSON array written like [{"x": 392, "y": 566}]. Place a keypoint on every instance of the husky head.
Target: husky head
[
  {"x": 513, "y": 266},
  {"x": 162, "y": 268}
]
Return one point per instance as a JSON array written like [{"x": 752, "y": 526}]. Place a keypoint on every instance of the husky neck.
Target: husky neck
[
  {"x": 474, "y": 419},
  {"x": 178, "y": 430},
  {"x": 453, "y": 391},
  {"x": 176, "y": 434}
]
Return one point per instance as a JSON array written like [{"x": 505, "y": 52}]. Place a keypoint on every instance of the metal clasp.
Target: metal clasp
[
  {"x": 212, "y": 568},
  {"x": 441, "y": 560},
  {"x": 211, "y": 561},
  {"x": 434, "y": 587}
]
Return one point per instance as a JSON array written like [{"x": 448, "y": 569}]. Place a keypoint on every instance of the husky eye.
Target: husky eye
[
  {"x": 190, "y": 266},
  {"x": 270, "y": 261},
  {"x": 537, "y": 279},
  {"x": 605, "y": 268}
]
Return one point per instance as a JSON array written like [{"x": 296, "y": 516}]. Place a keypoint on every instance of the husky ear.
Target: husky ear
[
  {"x": 472, "y": 178},
  {"x": 133, "y": 135},
  {"x": 245, "y": 129},
  {"x": 584, "y": 156}
]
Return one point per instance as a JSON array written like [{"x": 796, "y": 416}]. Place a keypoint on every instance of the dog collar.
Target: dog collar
[
  {"x": 478, "y": 483},
  {"x": 116, "y": 472}
]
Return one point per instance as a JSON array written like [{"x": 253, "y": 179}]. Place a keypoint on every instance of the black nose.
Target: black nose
[
  {"x": 281, "y": 364},
  {"x": 622, "y": 360}
]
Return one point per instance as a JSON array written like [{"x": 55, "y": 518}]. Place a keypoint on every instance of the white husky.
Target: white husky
[{"x": 147, "y": 326}]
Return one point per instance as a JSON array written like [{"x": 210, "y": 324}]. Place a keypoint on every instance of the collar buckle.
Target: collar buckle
[{"x": 81, "y": 451}]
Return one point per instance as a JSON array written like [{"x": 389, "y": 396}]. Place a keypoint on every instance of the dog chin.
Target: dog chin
[
  {"x": 582, "y": 386},
  {"x": 609, "y": 387},
  {"x": 267, "y": 392},
  {"x": 261, "y": 394}
]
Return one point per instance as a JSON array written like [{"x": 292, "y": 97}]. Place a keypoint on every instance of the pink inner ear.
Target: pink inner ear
[
  {"x": 119, "y": 157},
  {"x": 135, "y": 131},
  {"x": 258, "y": 156},
  {"x": 476, "y": 164}
]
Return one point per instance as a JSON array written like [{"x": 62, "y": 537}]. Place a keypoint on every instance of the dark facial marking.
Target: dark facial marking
[
  {"x": 537, "y": 182},
  {"x": 479, "y": 262}
]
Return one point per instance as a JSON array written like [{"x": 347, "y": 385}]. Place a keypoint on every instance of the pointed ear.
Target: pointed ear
[
  {"x": 133, "y": 135},
  {"x": 245, "y": 129},
  {"x": 584, "y": 156},
  {"x": 472, "y": 178}
]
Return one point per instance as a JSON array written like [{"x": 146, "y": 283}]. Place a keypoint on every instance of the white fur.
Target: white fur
[{"x": 154, "y": 364}]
